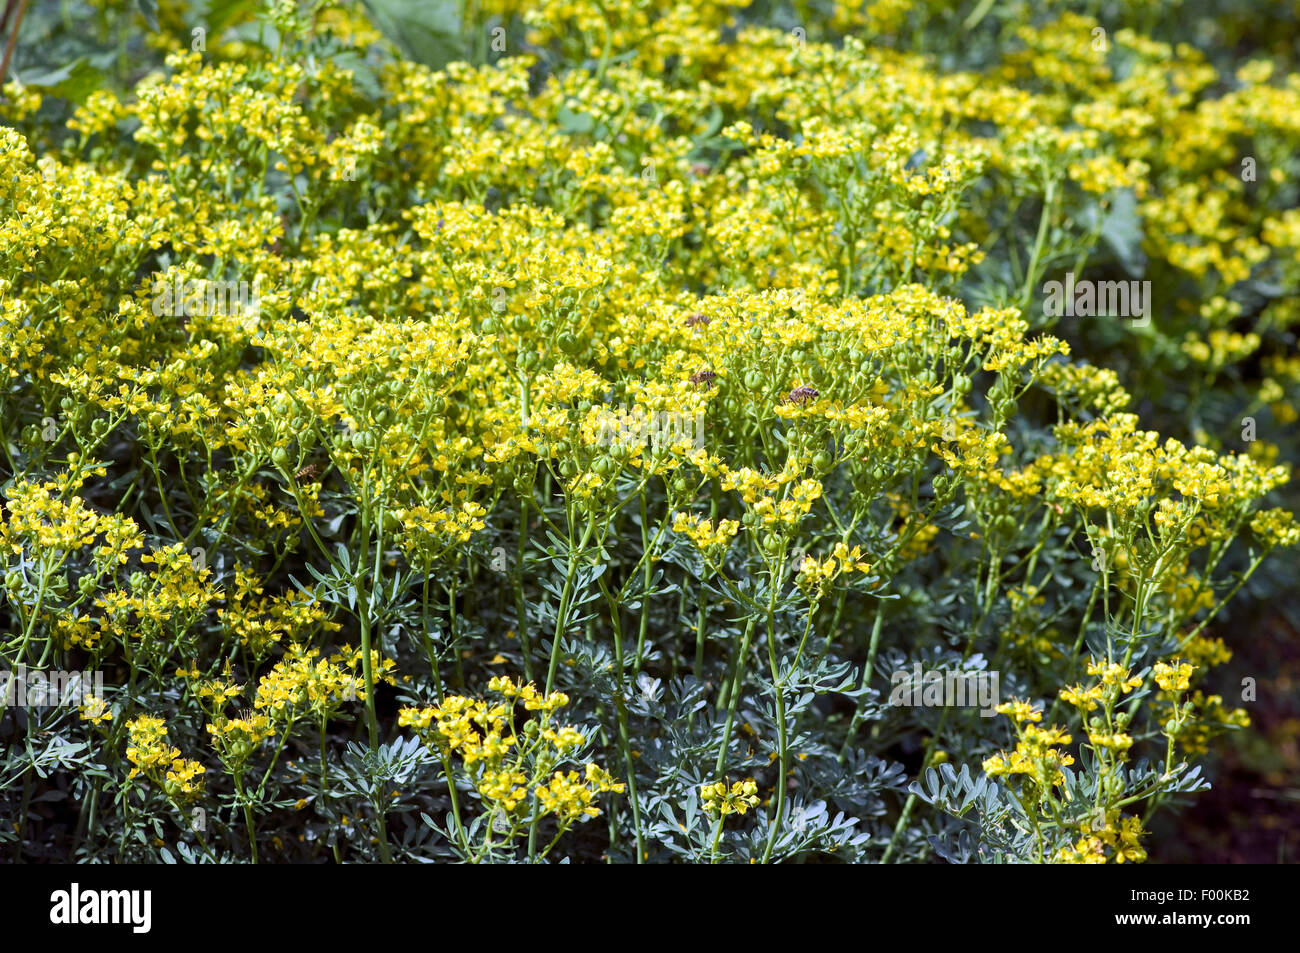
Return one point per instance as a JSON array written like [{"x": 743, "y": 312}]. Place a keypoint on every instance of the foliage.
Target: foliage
[{"x": 380, "y": 384}]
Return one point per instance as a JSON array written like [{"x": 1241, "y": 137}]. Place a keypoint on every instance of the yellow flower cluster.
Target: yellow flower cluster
[
  {"x": 718, "y": 799},
  {"x": 1115, "y": 839},
  {"x": 37, "y": 517},
  {"x": 261, "y": 622},
  {"x": 1172, "y": 678},
  {"x": 505, "y": 762},
  {"x": 1037, "y": 754},
  {"x": 1114, "y": 676},
  {"x": 150, "y": 754},
  {"x": 301, "y": 682},
  {"x": 96, "y": 710},
  {"x": 710, "y": 539},
  {"x": 237, "y": 739},
  {"x": 815, "y": 575},
  {"x": 677, "y": 209},
  {"x": 570, "y": 797},
  {"x": 1115, "y": 680}
]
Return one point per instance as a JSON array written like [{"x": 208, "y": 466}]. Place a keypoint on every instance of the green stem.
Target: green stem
[
  {"x": 367, "y": 665},
  {"x": 866, "y": 682},
  {"x": 737, "y": 680},
  {"x": 620, "y": 705},
  {"x": 1031, "y": 272},
  {"x": 561, "y": 616}
]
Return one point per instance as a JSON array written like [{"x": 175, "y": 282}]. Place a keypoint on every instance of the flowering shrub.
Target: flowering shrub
[{"x": 314, "y": 322}]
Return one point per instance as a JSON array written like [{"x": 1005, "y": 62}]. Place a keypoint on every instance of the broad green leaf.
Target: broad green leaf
[
  {"x": 1121, "y": 230},
  {"x": 426, "y": 31},
  {"x": 149, "y": 10},
  {"x": 74, "y": 81},
  {"x": 571, "y": 121},
  {"x": 222, "y": 13}
]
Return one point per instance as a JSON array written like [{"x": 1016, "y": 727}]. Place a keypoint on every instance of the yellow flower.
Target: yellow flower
[
  {"x": 1019, "y": 711},
  {"x": 1114, "y": 675},
  {"x": 95, "y": 710},
  {"x": 1173, "y": 678},
  {"x": 1084, "y": 699},
  {"x": 718, "y": 799},
  {"x": 570, "y": 798}
]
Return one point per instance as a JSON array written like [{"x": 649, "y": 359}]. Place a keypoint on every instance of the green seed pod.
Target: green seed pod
[{"x": 523, "y": 483}]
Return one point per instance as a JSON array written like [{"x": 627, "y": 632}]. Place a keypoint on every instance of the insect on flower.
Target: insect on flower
[{"x": 802, "y": 395}]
